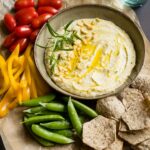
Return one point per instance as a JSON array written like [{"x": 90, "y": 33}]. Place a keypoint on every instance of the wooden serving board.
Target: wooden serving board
[{"x": 11, "y": 130}]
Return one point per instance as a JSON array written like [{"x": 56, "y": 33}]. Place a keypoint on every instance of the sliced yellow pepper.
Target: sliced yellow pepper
[
  {"x": 5, "y": 79},
  {"x": 20, "y": 80},
  {"x": 10, "y": 60}
]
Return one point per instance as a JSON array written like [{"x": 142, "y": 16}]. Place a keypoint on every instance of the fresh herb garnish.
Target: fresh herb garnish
[
  {"x": 43, "y": 46},
  {"x": 61, "y": 42}
]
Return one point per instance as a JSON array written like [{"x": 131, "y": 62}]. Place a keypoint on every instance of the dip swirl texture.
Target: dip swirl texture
[{"x": 98, "y": 64}]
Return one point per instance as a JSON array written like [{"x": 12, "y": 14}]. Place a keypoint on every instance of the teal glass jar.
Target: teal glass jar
[{"x": 134, "y": 3}]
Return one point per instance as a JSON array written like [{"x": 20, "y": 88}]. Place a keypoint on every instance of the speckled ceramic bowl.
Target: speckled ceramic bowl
[{"x": 90, "y": 11}]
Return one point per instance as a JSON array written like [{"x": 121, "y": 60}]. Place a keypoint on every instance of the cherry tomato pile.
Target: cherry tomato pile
[{"x": 25, "y": 24}]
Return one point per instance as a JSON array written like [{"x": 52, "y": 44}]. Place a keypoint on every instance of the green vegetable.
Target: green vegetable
[
  {"x": 41, "y": 113},
  {"x": 57, "y": 125},
  {"x": 67, "y": 132},
  {"x": 30, "y": 115},
  {"x": 60, "y": 42},
  {"x": 46, "y": 112},
  {"x": 48, "y": 135},
  {"x": 40, "y": 140},
  {"x": 82, "y": 107},
  {"x": 44, "y": 118},
  {"x": 34, "y": 109},
  {"x": 75, "y": 120},
  {"x": 54, "y": 106},
  {"x": 36, "y": 101}
]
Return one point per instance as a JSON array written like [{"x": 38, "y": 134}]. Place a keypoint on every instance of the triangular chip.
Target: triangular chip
[
  {"x": 135, "y": 137},
  {"x": 143, "y": 146},
  {"x": 137, "y": 116},
  {"x": 142, "y": 83},
  {"x": 99, "y": 133},
  {"x": 116, "y": 145},
  {"x": 130, "y": 96},
  {"x": 110, "y": 107}
]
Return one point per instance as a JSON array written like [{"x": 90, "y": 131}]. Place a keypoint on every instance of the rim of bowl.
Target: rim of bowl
[{"x": 117, "y": 90}]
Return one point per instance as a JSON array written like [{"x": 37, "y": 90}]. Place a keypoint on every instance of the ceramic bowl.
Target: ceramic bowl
[{"x": 90, "y": 11}]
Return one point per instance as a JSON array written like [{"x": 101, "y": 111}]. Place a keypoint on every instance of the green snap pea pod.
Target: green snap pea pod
[
  {"x": 44, "y": 118},
  {"x": 74, "y": 117},
  {"x": 57, "y": 125},
  {"x": 29, "y": 115},
  {"x": 36, "y": 101},
  {"x": 34, "y": 109},
  {"x": 40, "y": 140},
  {"x": 87, "y": 110},
  {"x": 54, "y": 106},
  {"x": 47, "y": 112},
  {"x": 48, "y": 135},
  {"x": 66, "y": 132},
  {"x": 39, "y": 114}
]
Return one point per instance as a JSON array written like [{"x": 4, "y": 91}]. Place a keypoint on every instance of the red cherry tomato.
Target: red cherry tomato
[
  {"x": 20, "y": 4},
  {"x": 9, "y": 22},
  {"x": 9, "y": 40},
  {"x": 54, "y": 3},
  {"x": 47, "y": 9},
  {"x": 34, "y": 35},
  {"x": 23, "y": 42},
  {"x": 23, "y": 31},
  {"x": 39, "y": 21},
  {"x": 26, "y": 15}
]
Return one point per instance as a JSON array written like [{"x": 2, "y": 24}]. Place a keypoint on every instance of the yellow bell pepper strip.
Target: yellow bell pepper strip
[
  {"x": 28, "y": 51},
  {"x": 5, "y": 79},
  {"x": 28, "y": 74},
  {"x": 3, "y": 111},
  {"x": 13, "y": 104},
  {"x": 5, "y": 101},
  {"x": 18, "y": 63},
  {"x": 25, "y": 93},
  {"x": 41, "y": 84},
  {"x": 19, "y": 72},
  {"x": 15, "y": 70},
  {"x": 33, "y": 89},
  {"x": 20, "y": 80},
  {"x": 10, "y": 65},
  {"x": 27, "y": 69},
  {"x": 25, "y": 88}
]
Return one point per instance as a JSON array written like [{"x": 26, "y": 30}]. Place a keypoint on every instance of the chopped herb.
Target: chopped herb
[
  {"x": 43, "y": 46},
  {"x": 62, "y": 42}
]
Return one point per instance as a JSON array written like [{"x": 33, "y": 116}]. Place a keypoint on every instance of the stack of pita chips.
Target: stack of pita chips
[
  {"x": 123, "y": 118},
  {"x": 135, "y": 122}
]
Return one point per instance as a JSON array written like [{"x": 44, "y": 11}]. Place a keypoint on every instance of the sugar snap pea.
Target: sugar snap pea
[
  {"x": 34, "y": 109},
  {"x": 36, "y": 101},
  {"x": 47, "y": 112},
  {"x": 66, "y": 132},
  {"x": 48, "y": 135},
  {"x": 29, "y": 115},
  {"x": 57, "y": 125},
  {"x": 75, "y": 120},
  {"x": 41, "y": 113},
  {"x": 54, "y": 106},
  {"x": 87, "y": 110},
  {"x": 44, "y": 118},
  {"x": 40, "y": 140}
]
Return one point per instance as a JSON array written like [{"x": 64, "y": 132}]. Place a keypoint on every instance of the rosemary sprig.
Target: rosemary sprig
[
  {"x": 62, "y": 42},
  {"x": 68, "y": 24},
  {"x": 43, "y": 46}
]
